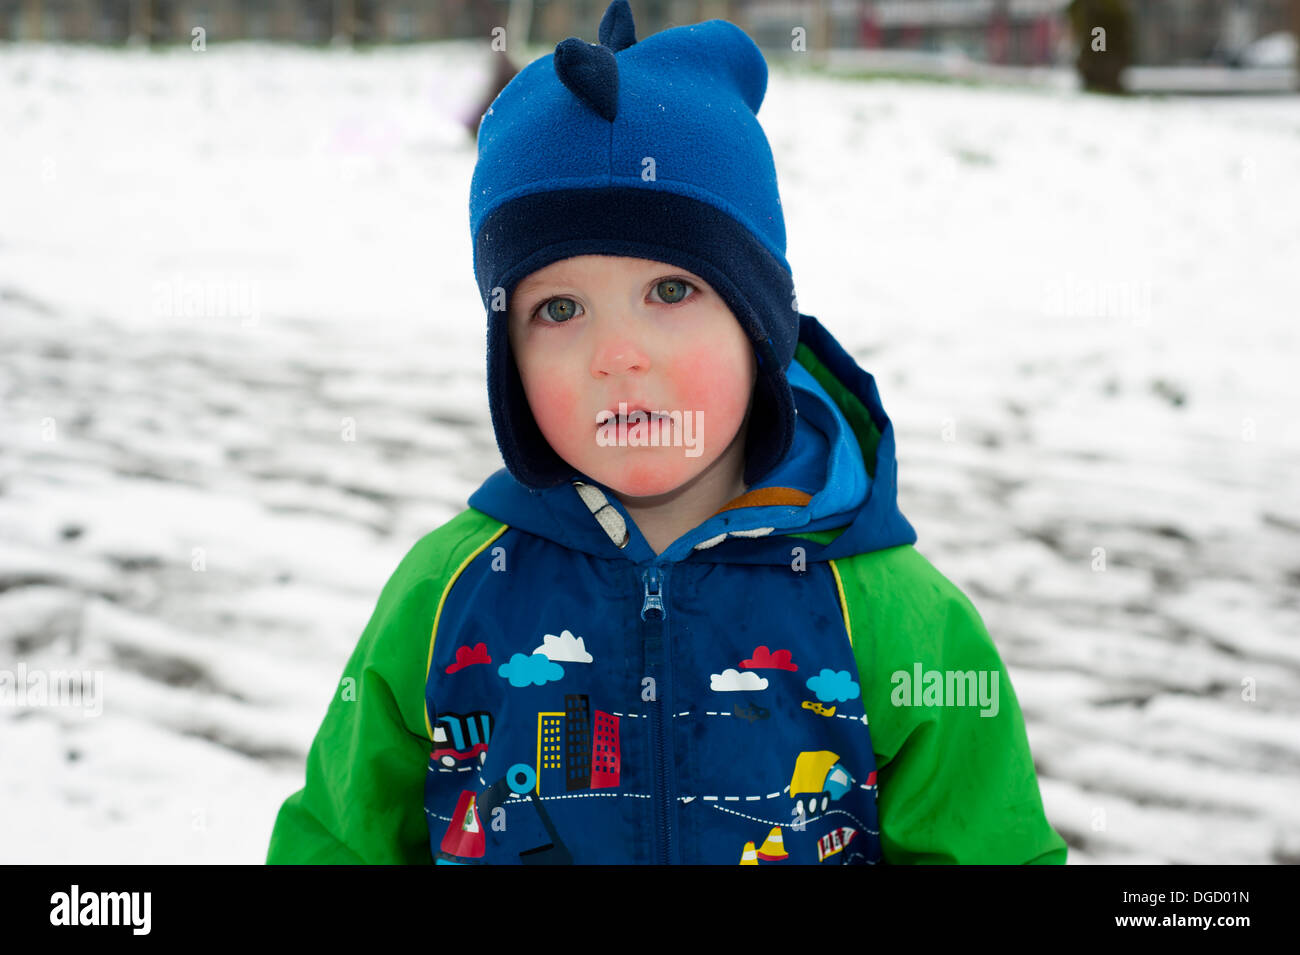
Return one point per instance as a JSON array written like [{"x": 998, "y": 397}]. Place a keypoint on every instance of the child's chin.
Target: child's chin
[{"x": 646, "y": 478}]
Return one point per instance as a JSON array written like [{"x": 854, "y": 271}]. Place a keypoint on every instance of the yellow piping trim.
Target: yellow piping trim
[
  {"x": 438, "y": 616},
  {"x": 844, "y": 604}
]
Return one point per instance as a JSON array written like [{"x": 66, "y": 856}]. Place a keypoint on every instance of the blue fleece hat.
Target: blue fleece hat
[{"x": 650, "y": 149}]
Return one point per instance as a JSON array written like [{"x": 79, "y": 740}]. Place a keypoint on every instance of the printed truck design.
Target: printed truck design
[
  {"x": 835, "y": 842},
  {"x": 818, "y": 778},
  {"x": 460, "y": 737}
]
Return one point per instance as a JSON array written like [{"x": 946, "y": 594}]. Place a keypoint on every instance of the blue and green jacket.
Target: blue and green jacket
[{"x": 791, "y": 682}]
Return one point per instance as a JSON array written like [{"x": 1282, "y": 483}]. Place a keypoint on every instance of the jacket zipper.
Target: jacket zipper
[{"x": 655, "y": 631}]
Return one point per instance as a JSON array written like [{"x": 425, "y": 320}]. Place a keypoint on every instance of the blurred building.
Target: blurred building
[
  {"x": 1172, "y": 32},
  {"x": 1022, "y": 32},
  {"x": 285, "y": 21}
]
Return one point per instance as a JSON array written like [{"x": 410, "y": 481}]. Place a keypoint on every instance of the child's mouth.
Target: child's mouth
[{"x": 606, "y": 418}]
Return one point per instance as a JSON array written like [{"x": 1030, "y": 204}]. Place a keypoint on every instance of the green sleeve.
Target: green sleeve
[
  {"x": 363, "y": 802},
  {"x": 955, "y": 786}
]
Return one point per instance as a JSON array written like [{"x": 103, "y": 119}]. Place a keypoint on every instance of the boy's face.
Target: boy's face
[{"x": 592, "y": 331}]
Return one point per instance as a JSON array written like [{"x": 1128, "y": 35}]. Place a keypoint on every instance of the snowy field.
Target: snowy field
[{"x": 242, "y": 371}]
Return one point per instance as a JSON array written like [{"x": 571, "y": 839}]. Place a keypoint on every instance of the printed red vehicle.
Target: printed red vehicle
[{"x": 458, "y": 737}]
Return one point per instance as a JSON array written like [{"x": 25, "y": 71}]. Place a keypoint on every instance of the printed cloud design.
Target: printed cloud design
[
  {"x": 467, "y": 657},
  {"x": 765, "y": 659},
  {"x": 732, "y": 680},
  {"x": 565, "y": 647},
  {"x": 834, "y": 686},
  {"x": 526, "y": 671}
]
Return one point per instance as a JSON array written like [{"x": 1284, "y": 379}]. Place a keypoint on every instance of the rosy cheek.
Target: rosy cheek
[
  {"x": 554, "y": 405},
  {"x": 706, "y": 382}
]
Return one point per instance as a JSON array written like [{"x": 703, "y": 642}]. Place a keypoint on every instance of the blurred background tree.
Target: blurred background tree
[
  {"x": 1295, "y": 30},
  {"x": 1104, "y": 30}
]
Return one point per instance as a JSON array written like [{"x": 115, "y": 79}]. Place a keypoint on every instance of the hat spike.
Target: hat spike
[
  {"x": 590, "y": 72},
  {"x": 617, "y": 31}
]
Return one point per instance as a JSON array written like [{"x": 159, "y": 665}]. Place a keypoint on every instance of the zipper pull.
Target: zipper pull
[{"x": 654, "y": 599}]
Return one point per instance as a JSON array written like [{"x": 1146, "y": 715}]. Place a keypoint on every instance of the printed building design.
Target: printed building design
[
  {"x": 577, "y": 742},
  {"x": 550, "y": 742},
  {"x": 572, "y": 754},
  {"x": 605, "y": 752}
]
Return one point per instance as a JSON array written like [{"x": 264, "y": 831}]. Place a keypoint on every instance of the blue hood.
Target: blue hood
[{"x": 842, "y": 456}]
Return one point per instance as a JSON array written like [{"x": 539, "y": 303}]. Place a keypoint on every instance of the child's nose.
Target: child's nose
[{"x": 618, "y": 354}]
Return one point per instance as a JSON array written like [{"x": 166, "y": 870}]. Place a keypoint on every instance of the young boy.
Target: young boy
[{"x": 686, "y": 623}]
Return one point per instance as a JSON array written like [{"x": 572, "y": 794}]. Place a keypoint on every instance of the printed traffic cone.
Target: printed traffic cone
[
  {"x": 464, "y": 835},
  {"x": 773, "y": 847},
  {"x": 749, "y": 856}
]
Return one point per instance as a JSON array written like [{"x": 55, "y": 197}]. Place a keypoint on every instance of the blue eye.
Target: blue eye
[
  {"x": 559, "y": 310},
  {"x": 672, "y": 291},
  {"x": 562, "y": 309}
]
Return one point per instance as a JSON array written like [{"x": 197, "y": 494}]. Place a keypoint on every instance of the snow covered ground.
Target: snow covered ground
[{"x": 242, "y": 372}]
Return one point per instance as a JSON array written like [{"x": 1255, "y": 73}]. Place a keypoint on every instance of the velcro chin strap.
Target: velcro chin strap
[{"x": 605, "y": 513}]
